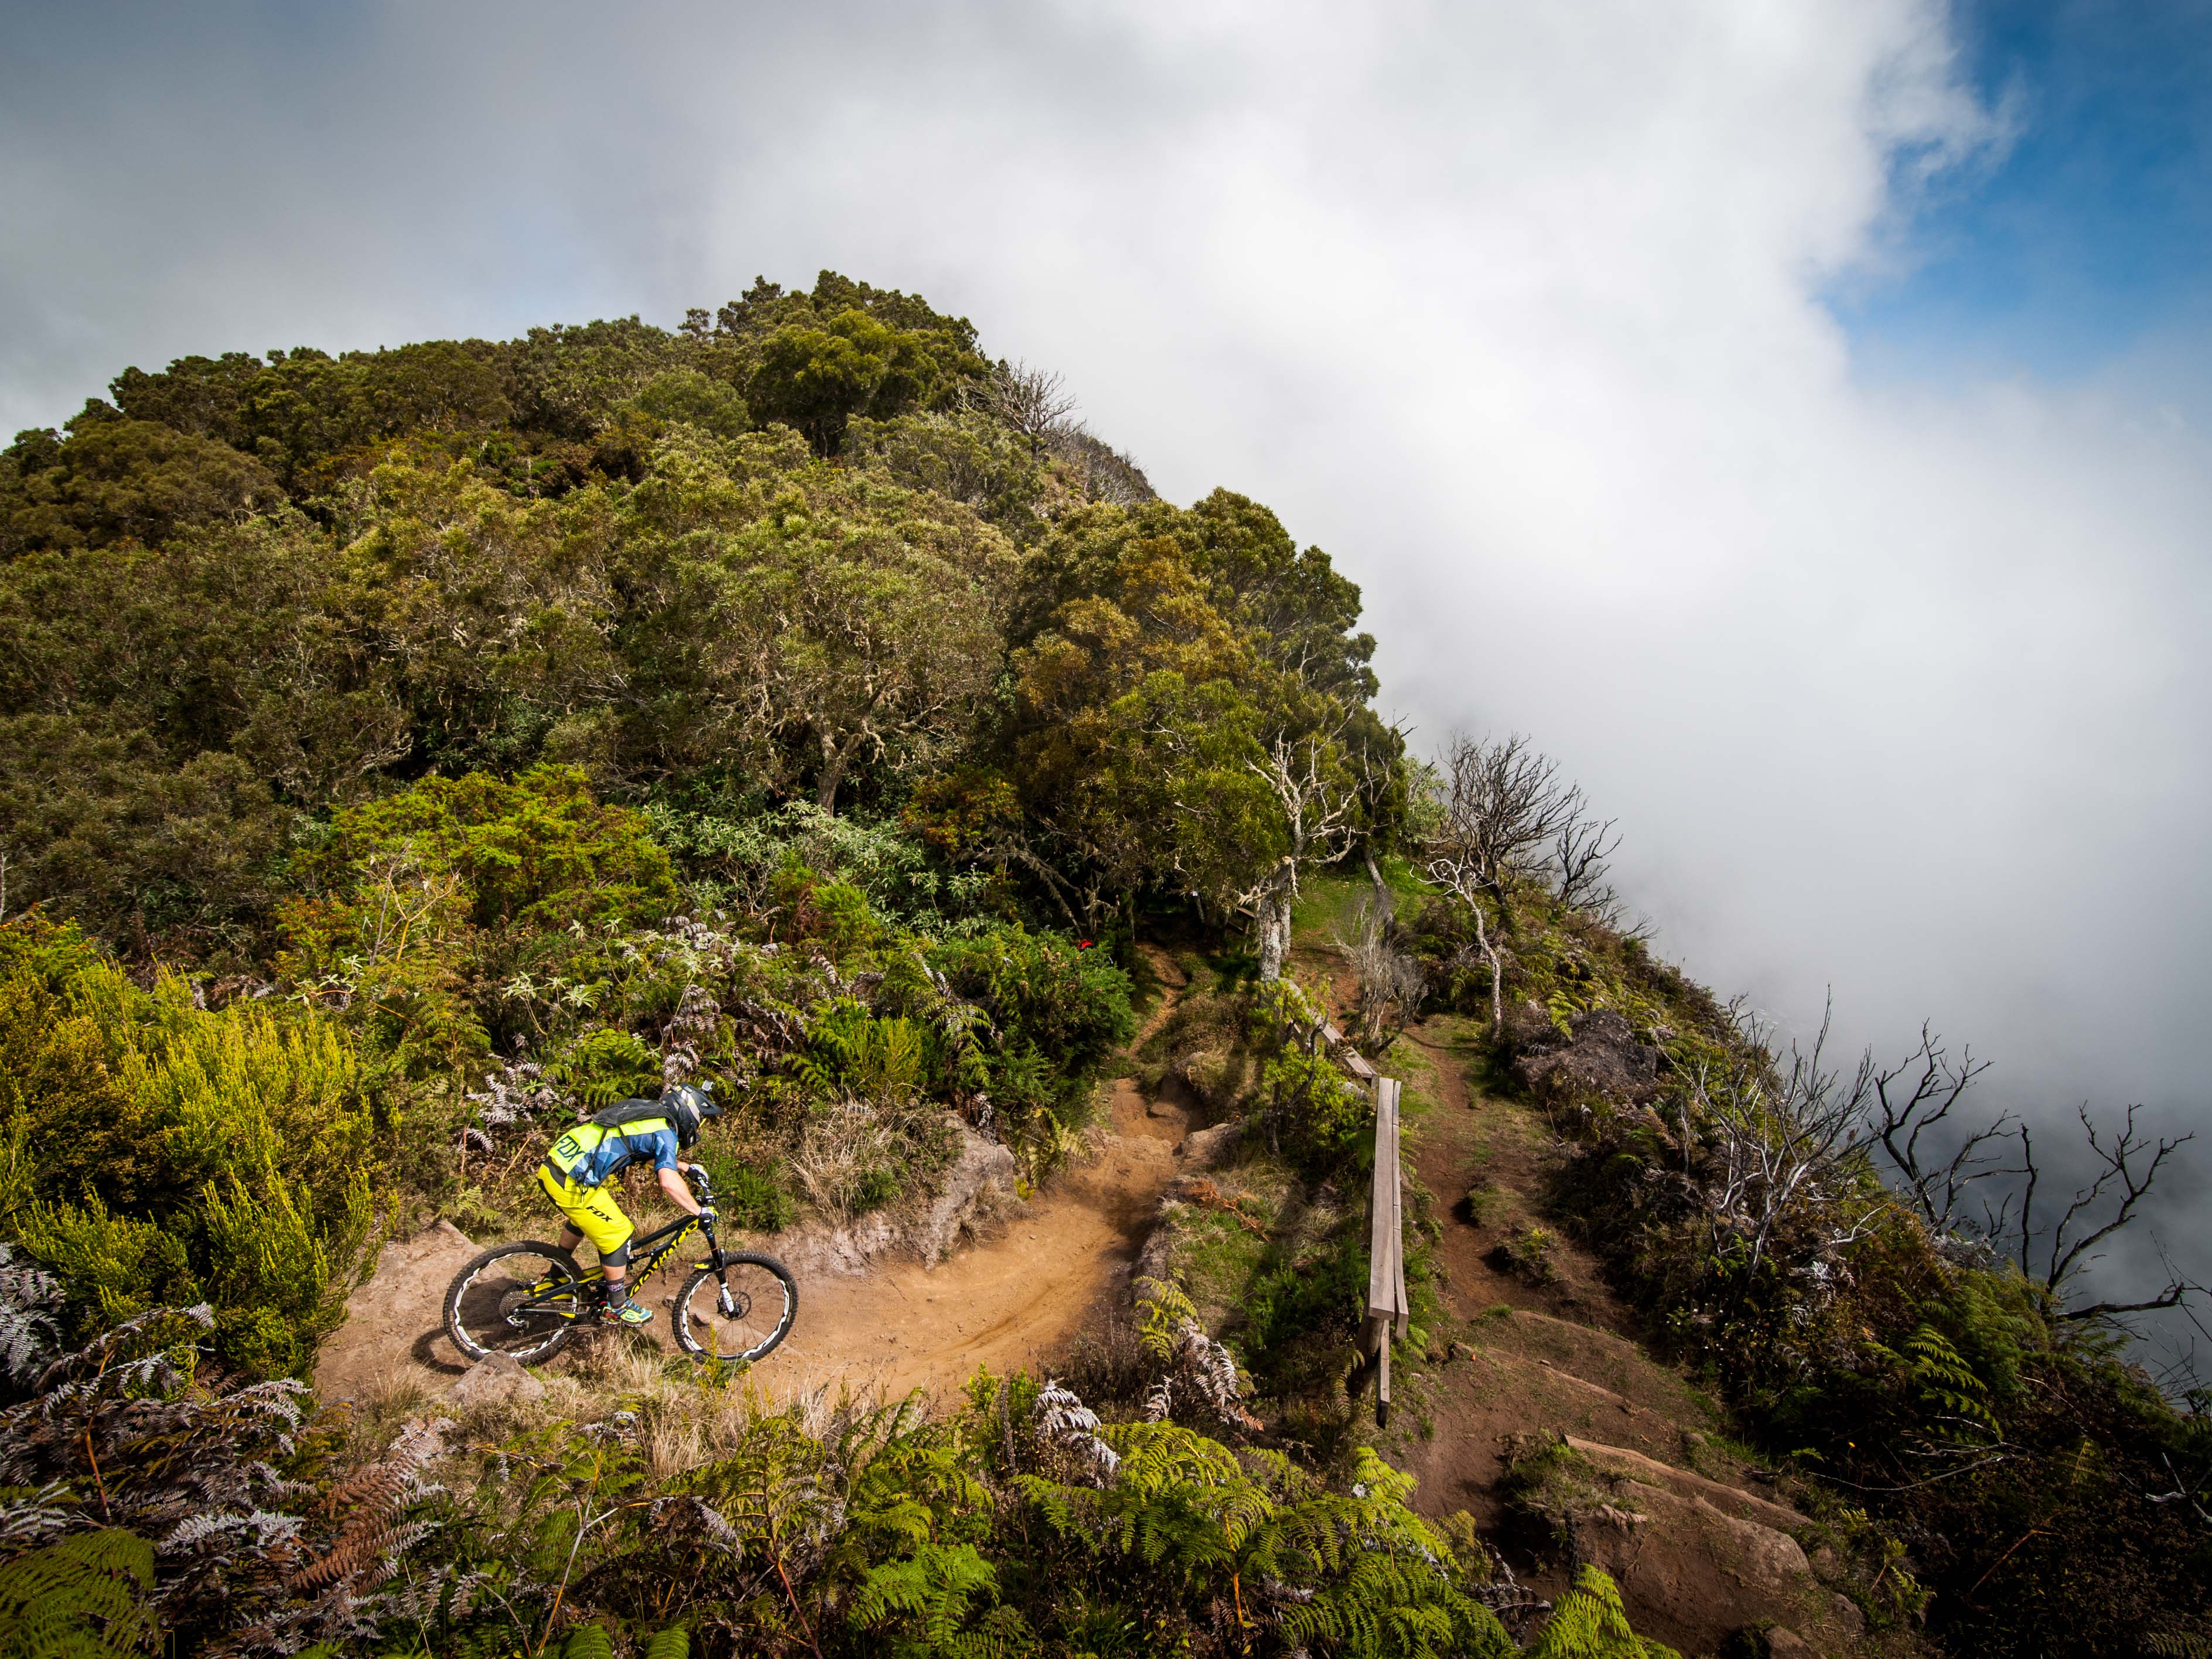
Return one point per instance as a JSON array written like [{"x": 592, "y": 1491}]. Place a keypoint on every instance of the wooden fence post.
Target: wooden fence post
[{"x": 1388, "y": 1313}]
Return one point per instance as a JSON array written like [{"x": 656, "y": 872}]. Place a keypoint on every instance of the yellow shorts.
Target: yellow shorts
[{"x": 593, "y": 1212}]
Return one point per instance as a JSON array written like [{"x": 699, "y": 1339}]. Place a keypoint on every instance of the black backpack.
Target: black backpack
[{"x": 627, "y": 1111}]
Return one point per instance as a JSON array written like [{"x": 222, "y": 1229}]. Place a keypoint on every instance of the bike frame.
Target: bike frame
[
  {"x": 675, "y": 1232},
  {"x": 660, "y": 1243}
]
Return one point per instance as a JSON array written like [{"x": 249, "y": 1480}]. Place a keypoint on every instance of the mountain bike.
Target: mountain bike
[{"x": 527, "y": 1300}]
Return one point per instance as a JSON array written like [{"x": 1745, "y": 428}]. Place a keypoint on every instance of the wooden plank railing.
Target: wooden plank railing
[{"x": 1388, "y": 1313}]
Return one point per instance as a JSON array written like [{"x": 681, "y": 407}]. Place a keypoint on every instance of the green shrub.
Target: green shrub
[
  {"x": 1529, "y": 1254},
  {"x": 1481, "y": 1205},
  {"x": 1317, "y": 1116},
  {"x": 539, "y": 854},
  {"x": 229, "y": 1156},
  {"x": 747, "y": 1197},
  {"x": 1046, "y": 994},
  {"x": 418, "y": 906}
]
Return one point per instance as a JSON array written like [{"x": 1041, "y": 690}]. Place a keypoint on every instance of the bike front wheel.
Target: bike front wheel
[
  {"x": 521, "y": 1300},
  {"x": 738, "y": 1312}
]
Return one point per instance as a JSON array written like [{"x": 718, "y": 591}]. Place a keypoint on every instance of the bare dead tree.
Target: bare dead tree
[
  {"x": 1034, "y": 402},
  {"x": 1320, "y": 819},
  {"x": 2127, "y": 1167},
  {"x": 1781, "y": 1138},
  {"x": 1502, "y": 805},
  {"x": 1911, "y": 1108},
  {"x": 1457, "y": 876},
  {"x": 1913, "y": 1100},
  {"x": 1579, "y": 851},
  {"x": 1390, "y": 982},
  {"x": 1101, "y": 471}
]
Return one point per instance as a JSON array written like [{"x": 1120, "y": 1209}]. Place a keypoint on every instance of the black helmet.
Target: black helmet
[{"x": 687, "y": 1107}]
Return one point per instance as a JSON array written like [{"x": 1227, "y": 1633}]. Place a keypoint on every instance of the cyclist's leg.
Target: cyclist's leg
[
  {"x": 592, "y": 1213},
  {"x": 595, "y": 1214}
]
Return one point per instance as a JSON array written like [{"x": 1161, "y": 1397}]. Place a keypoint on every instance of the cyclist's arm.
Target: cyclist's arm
[
  {"x": 677, "y": 1188},
  {"x": 670, "y": 1168}
]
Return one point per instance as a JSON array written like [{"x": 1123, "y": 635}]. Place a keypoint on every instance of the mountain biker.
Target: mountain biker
[{"x": 579, "y": 1170}]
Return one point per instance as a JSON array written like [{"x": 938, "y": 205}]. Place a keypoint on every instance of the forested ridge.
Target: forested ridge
[{"x": 406, "y": 751}]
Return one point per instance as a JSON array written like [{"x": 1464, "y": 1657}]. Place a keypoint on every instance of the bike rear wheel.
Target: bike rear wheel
[
  {"x": 522, "y": 1300},
  {"x": 738, "y": 1312}
]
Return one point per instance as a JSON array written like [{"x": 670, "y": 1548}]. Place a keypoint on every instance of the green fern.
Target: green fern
[
  {"x": 604, "y": 1065},
  {"x": 1946, "y": 1384},
  {"x": 674, "y": 1643},
  {"x": 927, "y": 1599},
  {"x": 1590, "y": 1623},
  {"x": 2173, "y": 1646},
  {"x": 590, "y": 1642},
  {"x": 853, "y": 1054},
  {"x": 83, "y": 1598}
]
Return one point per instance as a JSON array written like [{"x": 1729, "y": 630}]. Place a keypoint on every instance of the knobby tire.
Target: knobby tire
[{"x": 461, "y": 1307}]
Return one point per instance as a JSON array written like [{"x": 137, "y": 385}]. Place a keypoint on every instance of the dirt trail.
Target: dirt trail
[
  {"x": 1057, "y": 1262},
  {"x": 1063, "y": 1259},
  {"x": 1697, "y": 1542}
]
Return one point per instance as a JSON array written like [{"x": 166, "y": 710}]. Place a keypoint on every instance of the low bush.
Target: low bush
[
  {"x": 747, "y": 1196},
  {"x": 1310, "y": 1112},
  {"x": 153, "y": 1153},
  {"x": 1530, "y": 1252}
]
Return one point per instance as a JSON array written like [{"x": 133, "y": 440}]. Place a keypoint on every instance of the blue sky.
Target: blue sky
[{"x": 2093, "y": 230}]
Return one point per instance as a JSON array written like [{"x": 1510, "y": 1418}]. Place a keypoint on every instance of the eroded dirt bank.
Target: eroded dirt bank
[{"x": 1049, "y": 1268}]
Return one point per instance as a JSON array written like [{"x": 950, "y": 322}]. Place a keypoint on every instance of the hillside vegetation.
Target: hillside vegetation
[{"x": 406, "y": 752}]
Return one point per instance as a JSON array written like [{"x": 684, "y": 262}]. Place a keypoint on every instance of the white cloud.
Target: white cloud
[{"x": 1514, "y": 308}]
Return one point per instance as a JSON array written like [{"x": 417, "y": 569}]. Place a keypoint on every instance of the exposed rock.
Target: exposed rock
[
  {"x": 1152, "y": 1261},
  {"x": 1601, "y": 1059},
  {"x": 1207, "y": 1148},
  {"x": 1732, "y": 1500},
  {"x": 1783, "y": 1643},
  {"x": 496, "y": 1379},
  {"x": 1683, "y": 1556},
  {"x": 847, "y": 1250},
  {"x": 1700, "y": 1552},
  {"x": 977, "y": 1188}
]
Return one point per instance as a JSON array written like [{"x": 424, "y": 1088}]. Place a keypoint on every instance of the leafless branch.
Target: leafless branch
[
  {"x": 1780, "y": 1139},
  {"x": 2078, "y": 1230},
  {"x": 1503, "y": 803},
  {"x": 1035, "y": 402},
  {"x": 1320, "y": 819},
  {"x": 1913, "y": 1098},
  {"x": 1580, "y": 850},
  {"x": 1390, "y": 982}
]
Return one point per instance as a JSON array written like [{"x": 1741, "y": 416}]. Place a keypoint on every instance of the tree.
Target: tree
[
  {"x": 1034, "y": 402},
  {"x": 112, "y": 480},
  {"x": 816, "y": 378},
  {"x": 1579, "y": 852},
  {"x": 1501, "y": 806},
  {"x": 1912, "y": 1103},
  {"x": 879, "y": 652},
  {"x": 1318, "y": 806},
  {"x": 802, "y": 633}
]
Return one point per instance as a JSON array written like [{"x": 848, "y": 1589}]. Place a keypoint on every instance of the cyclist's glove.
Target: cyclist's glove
[{"x": 707, "y": 1212}]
